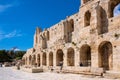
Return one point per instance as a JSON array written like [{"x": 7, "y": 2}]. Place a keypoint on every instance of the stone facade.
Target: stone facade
[{"x": 90, "y": 37}]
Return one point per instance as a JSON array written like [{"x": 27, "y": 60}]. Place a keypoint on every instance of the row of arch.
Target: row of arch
[
  {"x": 102, "y": 21},
  {"x": 104, "y": 49},
  {"x": 112, "y": 7},
  {"x": 102, "y": 26}
]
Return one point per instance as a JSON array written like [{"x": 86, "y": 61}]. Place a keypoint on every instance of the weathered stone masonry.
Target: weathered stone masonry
[{"x": 90, "y": 37}]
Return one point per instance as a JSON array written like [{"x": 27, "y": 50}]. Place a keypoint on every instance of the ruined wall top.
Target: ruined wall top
[
  {"x": 38, "y": 30},
  {"x": 91, "y": 13}
]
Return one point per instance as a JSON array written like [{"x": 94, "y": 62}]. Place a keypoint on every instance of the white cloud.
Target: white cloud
[
  {"x": 10, "y": 35},
  {"x": 5, "y": 7},
  {"x": 17, "y": 49}
]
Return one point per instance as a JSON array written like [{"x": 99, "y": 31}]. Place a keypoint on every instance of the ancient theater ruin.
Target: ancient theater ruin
[{"x": 86, "y": 42}]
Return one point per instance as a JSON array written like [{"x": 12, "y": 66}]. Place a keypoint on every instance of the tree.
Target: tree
[
  {"x": 4, "y": 57},
  {"x": 9, "y": 56},
  {"x": 19, "y": 54}
]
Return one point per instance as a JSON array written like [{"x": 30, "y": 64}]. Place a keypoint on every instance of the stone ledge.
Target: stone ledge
[
  {"x": 32, "y": 70},
  {"x": 112, "y": 75},
  {"x": 97, "y": 71},
  {"x": 77, "y": 70}
]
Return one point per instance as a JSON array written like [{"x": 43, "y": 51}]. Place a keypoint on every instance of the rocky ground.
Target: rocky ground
[{"x": 12, "y": 74}]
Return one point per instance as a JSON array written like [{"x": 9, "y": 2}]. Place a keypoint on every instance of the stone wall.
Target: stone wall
[{"x": 90, "y": 37}]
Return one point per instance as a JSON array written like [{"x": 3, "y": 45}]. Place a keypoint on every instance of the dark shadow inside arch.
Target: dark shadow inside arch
[
  {"x": 44, "y": 59},
  {"x": 51, "y": 59},
  {"x": 87, "y": 18},
  {"x": 33, "y": 60},
  {"x": 38, "y": 60},
  {"x": 70, "y": 29},
  {"x": 105, "y": 55},
  {"x": 102, "y": 26},
  {"x": 59, "y": 57},
  {"x": 85, "y": 55},
  {"x": 70, "y": 57}
]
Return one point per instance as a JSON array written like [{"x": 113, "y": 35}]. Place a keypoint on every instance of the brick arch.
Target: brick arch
[
  {"x": 59, "y": 56},
  {"x": 116, "y": 10},
  {"x": 70, "y": 29},
  {"x": 71, "y": 25},
  {"x": 48, "y": 35},
  {"x": 51, "y": 59},
  {"x": 38, "y": 60},
  {"x": 102, "y": 26},
  {"x": 112, "y": 5},
  {"x": 105, "y": 55},
  {"x": 44, "y": 57},
  {"x": 85, "y": 55},
  {"x": 87, "y": 18},
  {"x": 34, "y": 60},
  {"x": 70, "y": 57}
]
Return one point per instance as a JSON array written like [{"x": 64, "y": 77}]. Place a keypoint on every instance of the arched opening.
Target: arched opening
[
  {"x": 85, "y": 55},
  {"x": 70, "y": 57},
  {"x": 59, "y": 57},
  {"x": 48, "y": 35},
  {"x": 44, "y": 59},
  {"x": 38, "y": 60},
  {"x": 34, "y": 60},
  {"x": 87, "y": 18},
  {"x": 102, "y": 26},
  {"x": 33, "y": 50},
  {"x": 71, "y": 25},
  {"x": 26, "y": 61},
  {"x": 105, "y": 55},
  {"x": 113, "y": 5},
  {"x": 117, "y": 10},
  {"x": 30, "y": 60},
  {"x": 51, "y": 59},
  {"x": 70, "y": 29}
]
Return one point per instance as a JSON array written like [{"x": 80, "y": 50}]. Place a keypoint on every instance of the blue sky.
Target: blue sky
[
  {"x": 19, "y": 18},
  {"x": 117, "y": 10}
]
